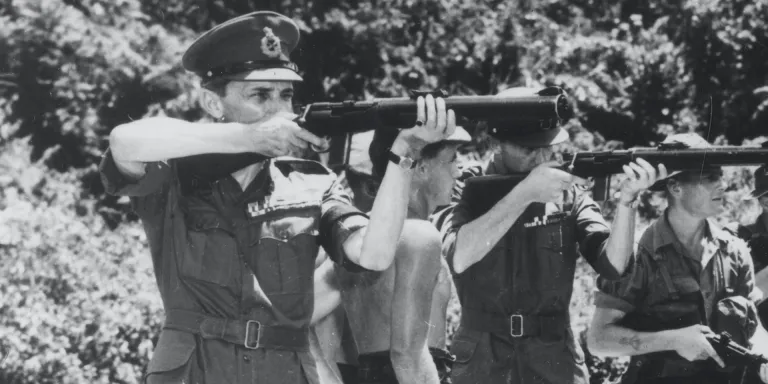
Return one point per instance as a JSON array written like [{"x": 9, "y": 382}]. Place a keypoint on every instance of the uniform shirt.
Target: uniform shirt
[
  {"x": 724, "y": 269},
  {"x": 593, "y": 230},
  {"x": 264, "y": 272},
  {"x": 529, "y": 271}
]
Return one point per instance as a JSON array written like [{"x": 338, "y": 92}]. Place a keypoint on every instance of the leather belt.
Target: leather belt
[
  {"x": 248, "y": 333},
  {"x": 517, "y": 325}
]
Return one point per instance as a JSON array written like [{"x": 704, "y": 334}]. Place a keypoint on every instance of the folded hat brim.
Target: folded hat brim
[
  {"x": 659, "y": 185},
  {"x": 271, "y": 74},
  {"x": 460, "y": 136}
]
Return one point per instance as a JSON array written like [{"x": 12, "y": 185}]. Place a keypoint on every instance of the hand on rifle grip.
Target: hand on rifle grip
[{"x": 325, "y": 148}]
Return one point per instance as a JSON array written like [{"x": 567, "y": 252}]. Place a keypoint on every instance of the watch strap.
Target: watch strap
[{"x": 397, "y": 159}]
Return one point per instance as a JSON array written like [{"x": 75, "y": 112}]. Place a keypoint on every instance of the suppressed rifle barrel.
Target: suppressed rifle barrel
[
  {"x": 596, "y": 164},
  {"x": 536, "y": 112}
]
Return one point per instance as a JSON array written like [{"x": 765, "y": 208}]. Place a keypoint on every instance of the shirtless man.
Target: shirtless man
[{"x": 393, "y": 328}]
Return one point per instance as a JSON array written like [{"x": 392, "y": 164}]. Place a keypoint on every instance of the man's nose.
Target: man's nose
[
  {"x": 281, "y": 106},
  {"x": 285, "y": 105},
  {"x": 722, "y": 184},
  {"x": 455, "y": 171}
]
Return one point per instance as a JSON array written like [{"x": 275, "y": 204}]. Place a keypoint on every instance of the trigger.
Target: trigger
[{"x": 320, "y": 149}]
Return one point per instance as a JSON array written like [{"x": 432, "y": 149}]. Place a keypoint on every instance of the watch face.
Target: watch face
[{"x": 406, "y": 162}]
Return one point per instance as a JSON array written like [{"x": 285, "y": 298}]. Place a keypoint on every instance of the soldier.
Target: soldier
[
  {"x": 234, "y": 252},
  {"x": 756, "y": 236},
  {"x": 514, "y": 264},
  {"x": 684, "y": 266}
]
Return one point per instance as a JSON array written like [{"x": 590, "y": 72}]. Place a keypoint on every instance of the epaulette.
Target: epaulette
[
  {"x": 309, "y": 167},
  {"x": 647, "y": 243}
]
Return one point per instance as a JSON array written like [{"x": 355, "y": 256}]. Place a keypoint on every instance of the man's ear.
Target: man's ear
[
  {"x": 673, "y": 187},
  {"x": 211, "y": 103},
  {"x": 422, "y": 168}
]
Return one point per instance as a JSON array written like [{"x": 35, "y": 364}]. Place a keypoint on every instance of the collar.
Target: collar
[{"x": 662, "y": 236}]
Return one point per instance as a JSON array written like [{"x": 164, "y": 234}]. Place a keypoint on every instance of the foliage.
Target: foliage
[
  {"x": 79, "y": 303},
  {"x": 637, "y": 70}
]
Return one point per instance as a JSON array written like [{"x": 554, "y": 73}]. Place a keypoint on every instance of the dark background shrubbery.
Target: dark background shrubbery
[{"x": 78, "y": 302}]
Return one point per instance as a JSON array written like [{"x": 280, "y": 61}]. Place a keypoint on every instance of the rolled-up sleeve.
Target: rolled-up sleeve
[
  {"x": 458, "y": 216},
  {"x": 592, "y": 232},
  {"x": 625, "y": 293},
  {"x": 116, "y": 183},
  {"x": 339, "y": 220}
]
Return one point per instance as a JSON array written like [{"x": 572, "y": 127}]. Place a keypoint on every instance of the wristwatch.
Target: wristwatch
[{"x": 402, "y": 161}]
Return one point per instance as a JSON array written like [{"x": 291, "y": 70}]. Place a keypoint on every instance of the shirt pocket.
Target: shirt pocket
[
  {"x": 676, "y": 311},
  {"x": 212, "y": 253},
  {"x": 551, "y": 253},
  {"x": 283, "y": 247},
  {"x": 685, "y": 284}
]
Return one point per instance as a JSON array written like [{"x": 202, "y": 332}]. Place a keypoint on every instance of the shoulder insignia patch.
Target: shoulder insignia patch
[{"x": 310, "y": 167}]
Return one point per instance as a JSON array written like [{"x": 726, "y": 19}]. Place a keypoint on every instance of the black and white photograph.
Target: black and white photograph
[{"x": 383, "y": 192}]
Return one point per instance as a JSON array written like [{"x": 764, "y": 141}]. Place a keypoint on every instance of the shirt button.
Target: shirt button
[{"x": 246, "y": 358}]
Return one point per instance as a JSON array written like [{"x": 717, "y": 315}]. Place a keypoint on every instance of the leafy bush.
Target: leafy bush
[{"x": 79, "y": 300}]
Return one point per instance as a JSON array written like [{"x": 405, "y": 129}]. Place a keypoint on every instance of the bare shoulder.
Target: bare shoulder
[{"x": 420, "y": 234}]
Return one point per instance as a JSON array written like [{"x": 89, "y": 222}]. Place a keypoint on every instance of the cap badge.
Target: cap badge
[{"x": 270, "y": 44}]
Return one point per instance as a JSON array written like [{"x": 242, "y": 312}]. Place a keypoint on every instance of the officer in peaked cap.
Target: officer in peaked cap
[
  {"x": 233, "y": 236},
  {"x": 514, "y": 264},
  {"x": 252, "y": 47}
]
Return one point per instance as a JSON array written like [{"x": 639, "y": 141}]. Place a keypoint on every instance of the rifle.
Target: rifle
[
  {"x": 676, "y": 315},
  {"x": 542, "y": 111},
  {"x": 602, "y": 165},
  {"x": 733, "y": 354},
  {"x": 336, "y": 119}
]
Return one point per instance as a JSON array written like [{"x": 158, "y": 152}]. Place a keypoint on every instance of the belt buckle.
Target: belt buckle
[
  {"x": 248, "y": 334},
  {"x": 512, "y": 326}
]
